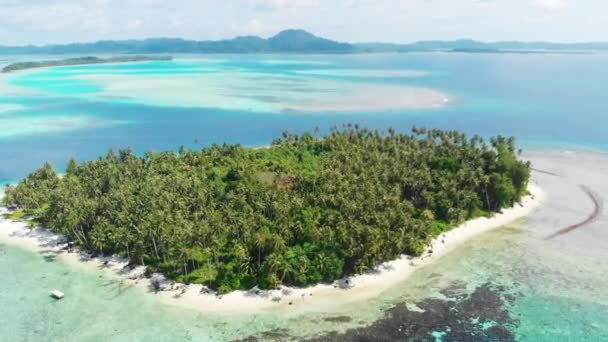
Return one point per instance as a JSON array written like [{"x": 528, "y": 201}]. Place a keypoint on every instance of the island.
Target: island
[
  {"x": 308, "y": 209},
  {"x": 19, "y": 66}
]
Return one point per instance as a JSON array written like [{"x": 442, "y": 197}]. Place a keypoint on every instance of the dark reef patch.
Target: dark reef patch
[
  {"x": 273, "y": 335},
  {"x": 479, "y": 316},
  {"x": 338, "y": 319},
  {"x": 482, "y": 315}
]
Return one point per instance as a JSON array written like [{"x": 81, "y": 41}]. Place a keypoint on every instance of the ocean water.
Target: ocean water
[
  {"x": 546, "y": 101},
  {"x": 510, "y": 284}
]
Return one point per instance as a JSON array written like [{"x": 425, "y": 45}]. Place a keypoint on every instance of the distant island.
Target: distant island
[
  {"x": 303, "y": 211},
  {"x": 81, "y": 61},
  {"x": 293, "y": 41}
]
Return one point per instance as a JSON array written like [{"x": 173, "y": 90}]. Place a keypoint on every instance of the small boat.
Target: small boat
[{"x": 57, "y": 294}]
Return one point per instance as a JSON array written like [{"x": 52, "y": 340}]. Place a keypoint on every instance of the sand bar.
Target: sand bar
[{"x": 257, "y": 92}]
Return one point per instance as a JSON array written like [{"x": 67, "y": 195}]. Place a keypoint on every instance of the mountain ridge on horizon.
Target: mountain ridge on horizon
[{"x": 294, "y": 41}]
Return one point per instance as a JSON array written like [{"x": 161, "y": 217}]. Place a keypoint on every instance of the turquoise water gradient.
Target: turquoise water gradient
[
  {"x": 549, "y": 102},
  {"x": 33, "y": 315},
  {"x": 546, "y": 101},
  {"x": 95, "y": 308}
]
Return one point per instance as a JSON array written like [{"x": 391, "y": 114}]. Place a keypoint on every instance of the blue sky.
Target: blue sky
[{"x": 61, "y": 21}]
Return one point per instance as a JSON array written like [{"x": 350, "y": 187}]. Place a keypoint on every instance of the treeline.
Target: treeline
[{"x": 303, "y": 211}]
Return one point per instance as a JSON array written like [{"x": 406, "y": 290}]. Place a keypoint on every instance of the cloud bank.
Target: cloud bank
[{"x": 62, "y": 21}]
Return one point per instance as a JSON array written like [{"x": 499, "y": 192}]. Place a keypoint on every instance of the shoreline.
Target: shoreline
[{"x": 198, "y": 298}]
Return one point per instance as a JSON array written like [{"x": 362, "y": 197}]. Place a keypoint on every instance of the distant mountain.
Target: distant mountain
[
  {"x": 287, "y": 41},
  {"x": 302, "y": 41},
  {"x": 293, "y": 41}
]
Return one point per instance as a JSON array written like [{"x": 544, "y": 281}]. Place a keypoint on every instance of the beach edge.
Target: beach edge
[{"x": 197, "y": 297}]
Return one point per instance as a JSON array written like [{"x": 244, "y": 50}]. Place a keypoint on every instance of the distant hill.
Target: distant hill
[
  {"x": 298, "y": 41},
  {"x": 292, "y": 41},
  {"x": 302, "y": 41}
]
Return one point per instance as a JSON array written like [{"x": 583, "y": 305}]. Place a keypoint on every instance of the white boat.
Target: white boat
[{"x": 57, "y": 294}]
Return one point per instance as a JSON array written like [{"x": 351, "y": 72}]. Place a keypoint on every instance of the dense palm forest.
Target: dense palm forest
[{"x": 304, "y": 210}]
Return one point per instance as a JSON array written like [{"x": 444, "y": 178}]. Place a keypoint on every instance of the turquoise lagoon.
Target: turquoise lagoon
[
  {"x": 545, "y": 100},
  {"x": 507, "y": 284}
]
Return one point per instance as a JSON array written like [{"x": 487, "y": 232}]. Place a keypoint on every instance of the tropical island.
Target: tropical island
[
  {"x": 19, "y": 66},
  {"x": 302, "y": 211}
]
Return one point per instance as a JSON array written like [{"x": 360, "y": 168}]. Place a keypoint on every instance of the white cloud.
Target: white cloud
[
  {"x": 62, "y": 21},
  {"x": 284, "y": 4},
  {"x": 254, "y": 27},
  {"x": 134, "y": 24},
  {"x": 551, "y": 5}
]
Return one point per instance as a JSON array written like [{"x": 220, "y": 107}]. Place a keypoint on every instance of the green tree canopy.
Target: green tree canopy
[{"x": 304, "y": 210}]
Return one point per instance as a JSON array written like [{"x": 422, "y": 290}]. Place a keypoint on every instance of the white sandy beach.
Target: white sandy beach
[{"x": 353, "y": 289}]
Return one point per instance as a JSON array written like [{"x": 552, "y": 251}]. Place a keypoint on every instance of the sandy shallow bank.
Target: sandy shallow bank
[
  {"x": 196, "y": 297},
  {"x": 273, "y": 94}
]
